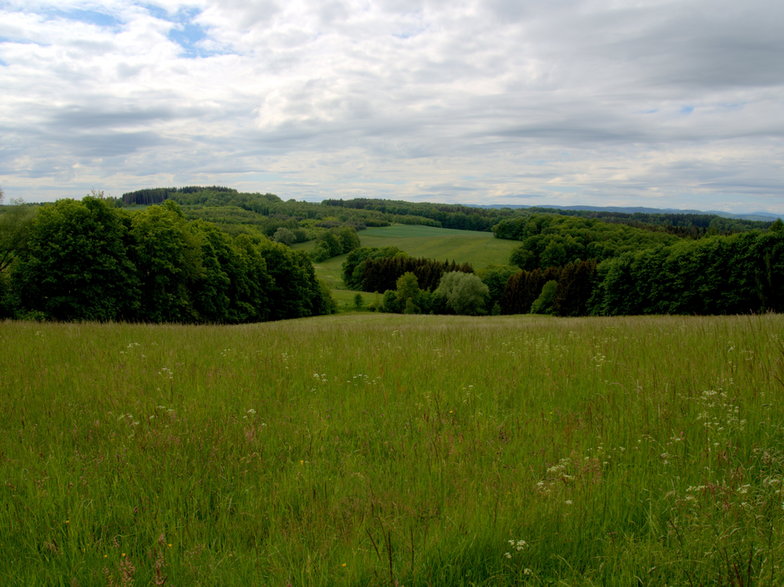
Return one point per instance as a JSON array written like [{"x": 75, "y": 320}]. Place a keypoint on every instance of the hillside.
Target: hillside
[
  {"x": 479, "y": 249},
  {"x": 577, "y": 262}
]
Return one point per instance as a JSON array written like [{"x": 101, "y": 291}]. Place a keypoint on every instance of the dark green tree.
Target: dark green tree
[
  {"x": 75, "y": 265},
  {"x": 495, "y": 277},
  {"x": 168, "y": 256},
  {"x": 544, "y": 303},
  {"x": 15, "y": 223},
  {"x": 575, "y": 287}
]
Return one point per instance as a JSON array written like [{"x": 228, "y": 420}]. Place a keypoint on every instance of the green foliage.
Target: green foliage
[
  {"x": 334, "y": 242},
  {"x": 551, "y": 240},
  {"x": 464, "y": 293},
  {"x": 285, "y": 236},
  {"x": 6, "y": 305},
  {"x": 717, "y": 275},
  {"x": 15, "y": 222},
  {"x": 441, "y": 215},
  {"x": 159, "y": 195},
  {"x": 495, "y": 277},
  {"x": 576, "y": 283},
  {"x": 354, "y": 265},
  {"x": 678, "y": 224},
  {"x": 407, "y": 287},
  {"x": 381, "y": 273},
  {"x": 76, "y": 265},
  {"x": 88, "y": 261},
  {"x": 544, "y": 303},
  {"x": 295, "y": 291},
  {"x": 231, "y": 209},
  {"x": 168, "y": 257},
  {"x": 524, "y": 287},
  {"x": 390, "y": 302}
]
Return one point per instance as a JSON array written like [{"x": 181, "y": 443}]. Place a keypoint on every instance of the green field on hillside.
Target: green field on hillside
[
  {"x": 479, "y": 249},
  {"x": 379, "y": 449}
]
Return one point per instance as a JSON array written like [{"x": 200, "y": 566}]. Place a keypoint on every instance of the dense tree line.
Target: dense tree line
[
  {"x": 199, "y": 195},
  {"x": 572, "y": 292},
  {"x": 441, "y": 215},
  {"x": 353, "y": 268},
  {"x": 87, "y": 260},
  {"x": 735, "y": 274},
  {"x": 238, "y": 212},
  {"x": 550, "y": 240},
  {"x": 458, "y": 292},
  {"x": 681, "y": 224},
  {"x": 377, "y": 270}
]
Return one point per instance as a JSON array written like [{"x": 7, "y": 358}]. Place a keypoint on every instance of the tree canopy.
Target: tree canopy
[{"x": 86, "y": 260}]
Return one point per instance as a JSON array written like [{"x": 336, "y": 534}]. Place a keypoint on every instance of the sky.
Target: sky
[{"x": 656, "y": 103}]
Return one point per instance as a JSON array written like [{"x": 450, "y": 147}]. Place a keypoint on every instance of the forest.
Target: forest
[
  {"x": 215, "y": 255},
  {"x": 89, "y": 260}
]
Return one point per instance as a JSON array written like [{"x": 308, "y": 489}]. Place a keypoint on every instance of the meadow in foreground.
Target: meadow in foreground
[{"x": 383, "y": 449}]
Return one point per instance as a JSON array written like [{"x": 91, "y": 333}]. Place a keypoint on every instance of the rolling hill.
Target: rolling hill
[{"x": 479, "y": 249}]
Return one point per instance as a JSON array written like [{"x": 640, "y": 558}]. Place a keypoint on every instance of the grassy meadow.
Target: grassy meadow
[{"x": 368, "y": 449}]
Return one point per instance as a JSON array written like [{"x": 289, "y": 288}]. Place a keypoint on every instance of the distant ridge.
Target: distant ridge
[{"x": 758, "y": 216}]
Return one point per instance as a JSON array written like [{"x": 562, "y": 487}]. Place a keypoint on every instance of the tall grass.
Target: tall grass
[{"x": 382, "y": 449}]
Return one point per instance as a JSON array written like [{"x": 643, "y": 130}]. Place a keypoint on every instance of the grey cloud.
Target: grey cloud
[
  {"x": 81, "y": 117},
  {"x": 587, "y": 100},
  {"x": 717, "y": 49},
  {"x": 107, "y": 144}
]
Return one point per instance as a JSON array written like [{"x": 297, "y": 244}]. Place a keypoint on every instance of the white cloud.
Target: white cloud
[{"x": 673, "y": 104}]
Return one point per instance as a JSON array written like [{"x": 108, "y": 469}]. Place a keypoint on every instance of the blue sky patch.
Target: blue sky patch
[
  {"x": 100, "y": 19},
  {"x": 188, "y": 35},
  {"x": 155, "y": 11}
]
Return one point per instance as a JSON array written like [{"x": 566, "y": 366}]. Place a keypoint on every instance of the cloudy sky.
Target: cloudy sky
[{"x": 676, "y": 104}]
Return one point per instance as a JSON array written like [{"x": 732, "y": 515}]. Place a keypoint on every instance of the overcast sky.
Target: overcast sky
[{"x": 670, "y": 104}]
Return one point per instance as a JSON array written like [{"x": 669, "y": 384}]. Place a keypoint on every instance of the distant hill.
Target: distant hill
[{"x": 756, "y": 216}]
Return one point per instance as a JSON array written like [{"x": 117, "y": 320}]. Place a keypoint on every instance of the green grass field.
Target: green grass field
[
  {"x": 479, "y": 249},
  {"x": 371, "y": 449}
]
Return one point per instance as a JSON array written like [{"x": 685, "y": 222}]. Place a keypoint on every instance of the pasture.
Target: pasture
[
  {"x": 371, "y": 449},
  {"x": 479, "y": 249}
]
